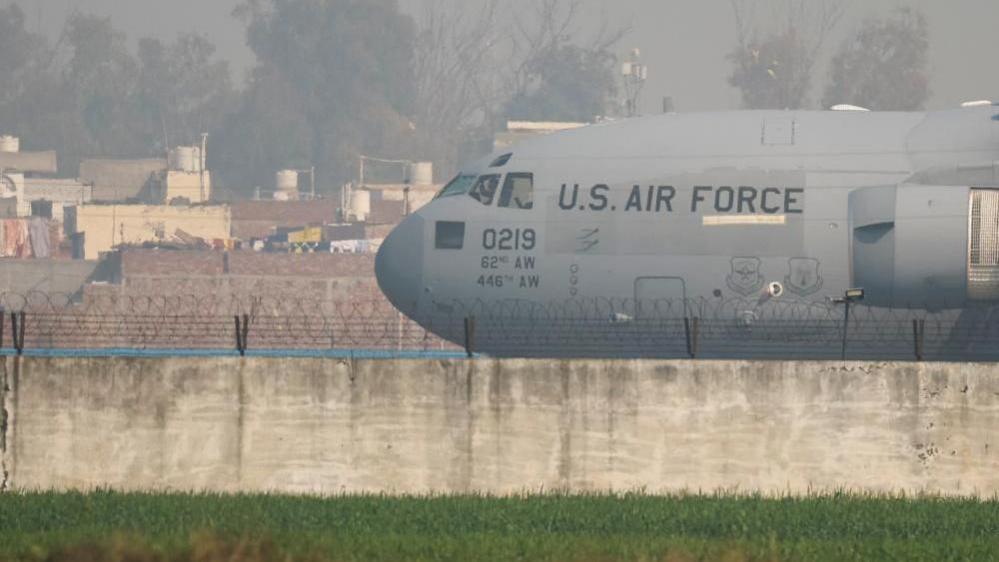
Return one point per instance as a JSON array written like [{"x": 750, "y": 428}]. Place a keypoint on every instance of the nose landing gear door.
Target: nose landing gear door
[{"x": 660, "y": 298}]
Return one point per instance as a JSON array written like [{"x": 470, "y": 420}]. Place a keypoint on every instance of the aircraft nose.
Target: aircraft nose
[{"x": 399, "y": 265}]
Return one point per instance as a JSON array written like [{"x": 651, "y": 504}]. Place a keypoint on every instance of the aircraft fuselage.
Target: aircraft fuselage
[{"x": 744, "y": 210}]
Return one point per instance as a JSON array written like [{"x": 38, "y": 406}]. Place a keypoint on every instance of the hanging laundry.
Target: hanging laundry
[
  {"x": 15, "y": 243},
  {"x": 39, "y": 234},
  {"x": 24, "y": 245},
  {"x": 343, "y": 247}
]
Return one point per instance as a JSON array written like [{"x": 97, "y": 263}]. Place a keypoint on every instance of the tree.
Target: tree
[
  {"x": 776, "y": 72},
  {"x": 334, "y": 80},
  {"x": 29, "y": 85},
  {"x": 557, "y": 79},
  {"x": 101, "y": 78},
  {"x": 568, "y": 83},
  {"x": 22, "y": 53},
  {"x": 182, "y": 91},
  {"x": 91, "y": 97},
  {"x": 478, "y": 64},
  {"x": 883, "y": 66},
  {"x": 460, "y": 80},
  {"x": 78, "y": 97}
]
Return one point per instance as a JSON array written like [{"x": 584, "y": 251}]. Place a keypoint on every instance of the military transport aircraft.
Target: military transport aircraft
[{"x": 742, "y": 216}]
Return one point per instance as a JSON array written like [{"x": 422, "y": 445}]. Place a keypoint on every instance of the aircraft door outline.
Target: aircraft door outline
[{"x": 660, "y": 297}]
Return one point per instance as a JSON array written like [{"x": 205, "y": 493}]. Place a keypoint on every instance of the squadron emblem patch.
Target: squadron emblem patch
[
  {"x": 746, "y": 277},
  {"x": 803, "y": 277}
]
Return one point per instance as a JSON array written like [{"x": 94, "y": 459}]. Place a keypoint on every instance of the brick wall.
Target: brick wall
[
  {"x": 170, "y": 263},
  {"x": 387, "y": 212},
  {"x": 259, "y": 219},
  {"x": 318, "y": 266},
  {"x": 167, "y": 263},
  {"x": 287, "y": 278}
]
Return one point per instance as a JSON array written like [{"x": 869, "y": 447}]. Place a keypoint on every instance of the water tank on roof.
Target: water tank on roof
[
  {"x": 360, "y": 205},
  {"x": 287, "y": 183},
  {"x": 421, "y": 173},
  {"x": 10, "y": 144},
  {"x": 186, "y": 159}
]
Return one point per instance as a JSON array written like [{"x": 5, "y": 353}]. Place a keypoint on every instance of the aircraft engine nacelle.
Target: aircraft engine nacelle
[{"x": 923, "y": 246}]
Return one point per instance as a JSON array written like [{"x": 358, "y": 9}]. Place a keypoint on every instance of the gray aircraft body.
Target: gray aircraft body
[{"x": 744, "y": 216}]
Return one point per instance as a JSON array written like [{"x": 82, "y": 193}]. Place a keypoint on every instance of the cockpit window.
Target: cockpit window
[
  {"x": 501, "y": 161},
  {"x": 518, "y": 192},
  {"x": 458, "y": 186},
  {"x": 450, "y": 235},
  {"x": 485, "y": 189}
]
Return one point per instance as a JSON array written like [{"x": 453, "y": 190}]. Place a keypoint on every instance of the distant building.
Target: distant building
[
  {"x": 105, "y": 227},
  {"x": 260, "y": 219},
  {"x": 374, "y": 199},
  {"x": 182, "y": 176},
  {"x": 12, "y": 159},
  {"x": 151, "y": 201},
  {"x": 408, "y": 198},
  {"x": 41, "y": 197},
  {"x": 116, "y": 181},
  {"x": 25, "y": 189},
  {"x": 188, "y": 178}
]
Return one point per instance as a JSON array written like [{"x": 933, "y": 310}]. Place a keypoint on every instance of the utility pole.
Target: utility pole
[
  {"x": 634, "y": 74},
  {"x": 203, "y": 163}
]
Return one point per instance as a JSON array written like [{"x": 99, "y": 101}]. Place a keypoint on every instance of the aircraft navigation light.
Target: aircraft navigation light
[
  {"x": 775, "y": 290},
  {"x": 850, "y": 296}
]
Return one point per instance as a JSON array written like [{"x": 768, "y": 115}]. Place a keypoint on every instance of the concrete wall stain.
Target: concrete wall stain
[
  {"x": 4, "y": 413},
  {"x": 458, "y": 417},
  {"x": 565, "y": 428},
  {"x": 9, "y": 403}
]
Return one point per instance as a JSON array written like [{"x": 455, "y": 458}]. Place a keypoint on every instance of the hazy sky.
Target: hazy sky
[{"x": 684, "y": 42}]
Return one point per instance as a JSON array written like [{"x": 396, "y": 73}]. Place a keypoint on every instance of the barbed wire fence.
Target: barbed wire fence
[
  {"x": 590, "y": 328},
  {"x": 721, "y": 329},
  {"x": 45, "y": 321}
]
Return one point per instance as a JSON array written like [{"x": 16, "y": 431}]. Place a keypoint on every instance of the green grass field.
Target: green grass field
[{"x": 136, "y": 528}]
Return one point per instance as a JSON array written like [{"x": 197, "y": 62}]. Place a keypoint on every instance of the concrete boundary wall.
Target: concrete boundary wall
[{"x": 329, "y": 426}]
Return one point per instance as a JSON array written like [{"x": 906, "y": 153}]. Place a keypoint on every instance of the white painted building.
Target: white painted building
[{"x": 36, "y": 196}]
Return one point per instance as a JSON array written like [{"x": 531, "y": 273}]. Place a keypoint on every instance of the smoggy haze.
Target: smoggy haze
[{"x": 683, "y": 41}]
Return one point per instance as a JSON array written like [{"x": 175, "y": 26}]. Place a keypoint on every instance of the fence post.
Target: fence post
[
  {"x": 2, "y": 314},
  {"x": 846, "y": 327},
  {"x": 239, "y": 338},
  {"x": 246, "y": 333},
  {"x": 919, "y": 337},
  {"x": 691, "y": 327},
  {"x": 470, "y": 336},
  {"x": 24, "y": 323},
  {"x": 17, "y": 323}
]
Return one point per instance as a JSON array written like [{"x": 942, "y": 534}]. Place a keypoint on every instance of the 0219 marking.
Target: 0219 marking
[{"x": 509, "y": 239}]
